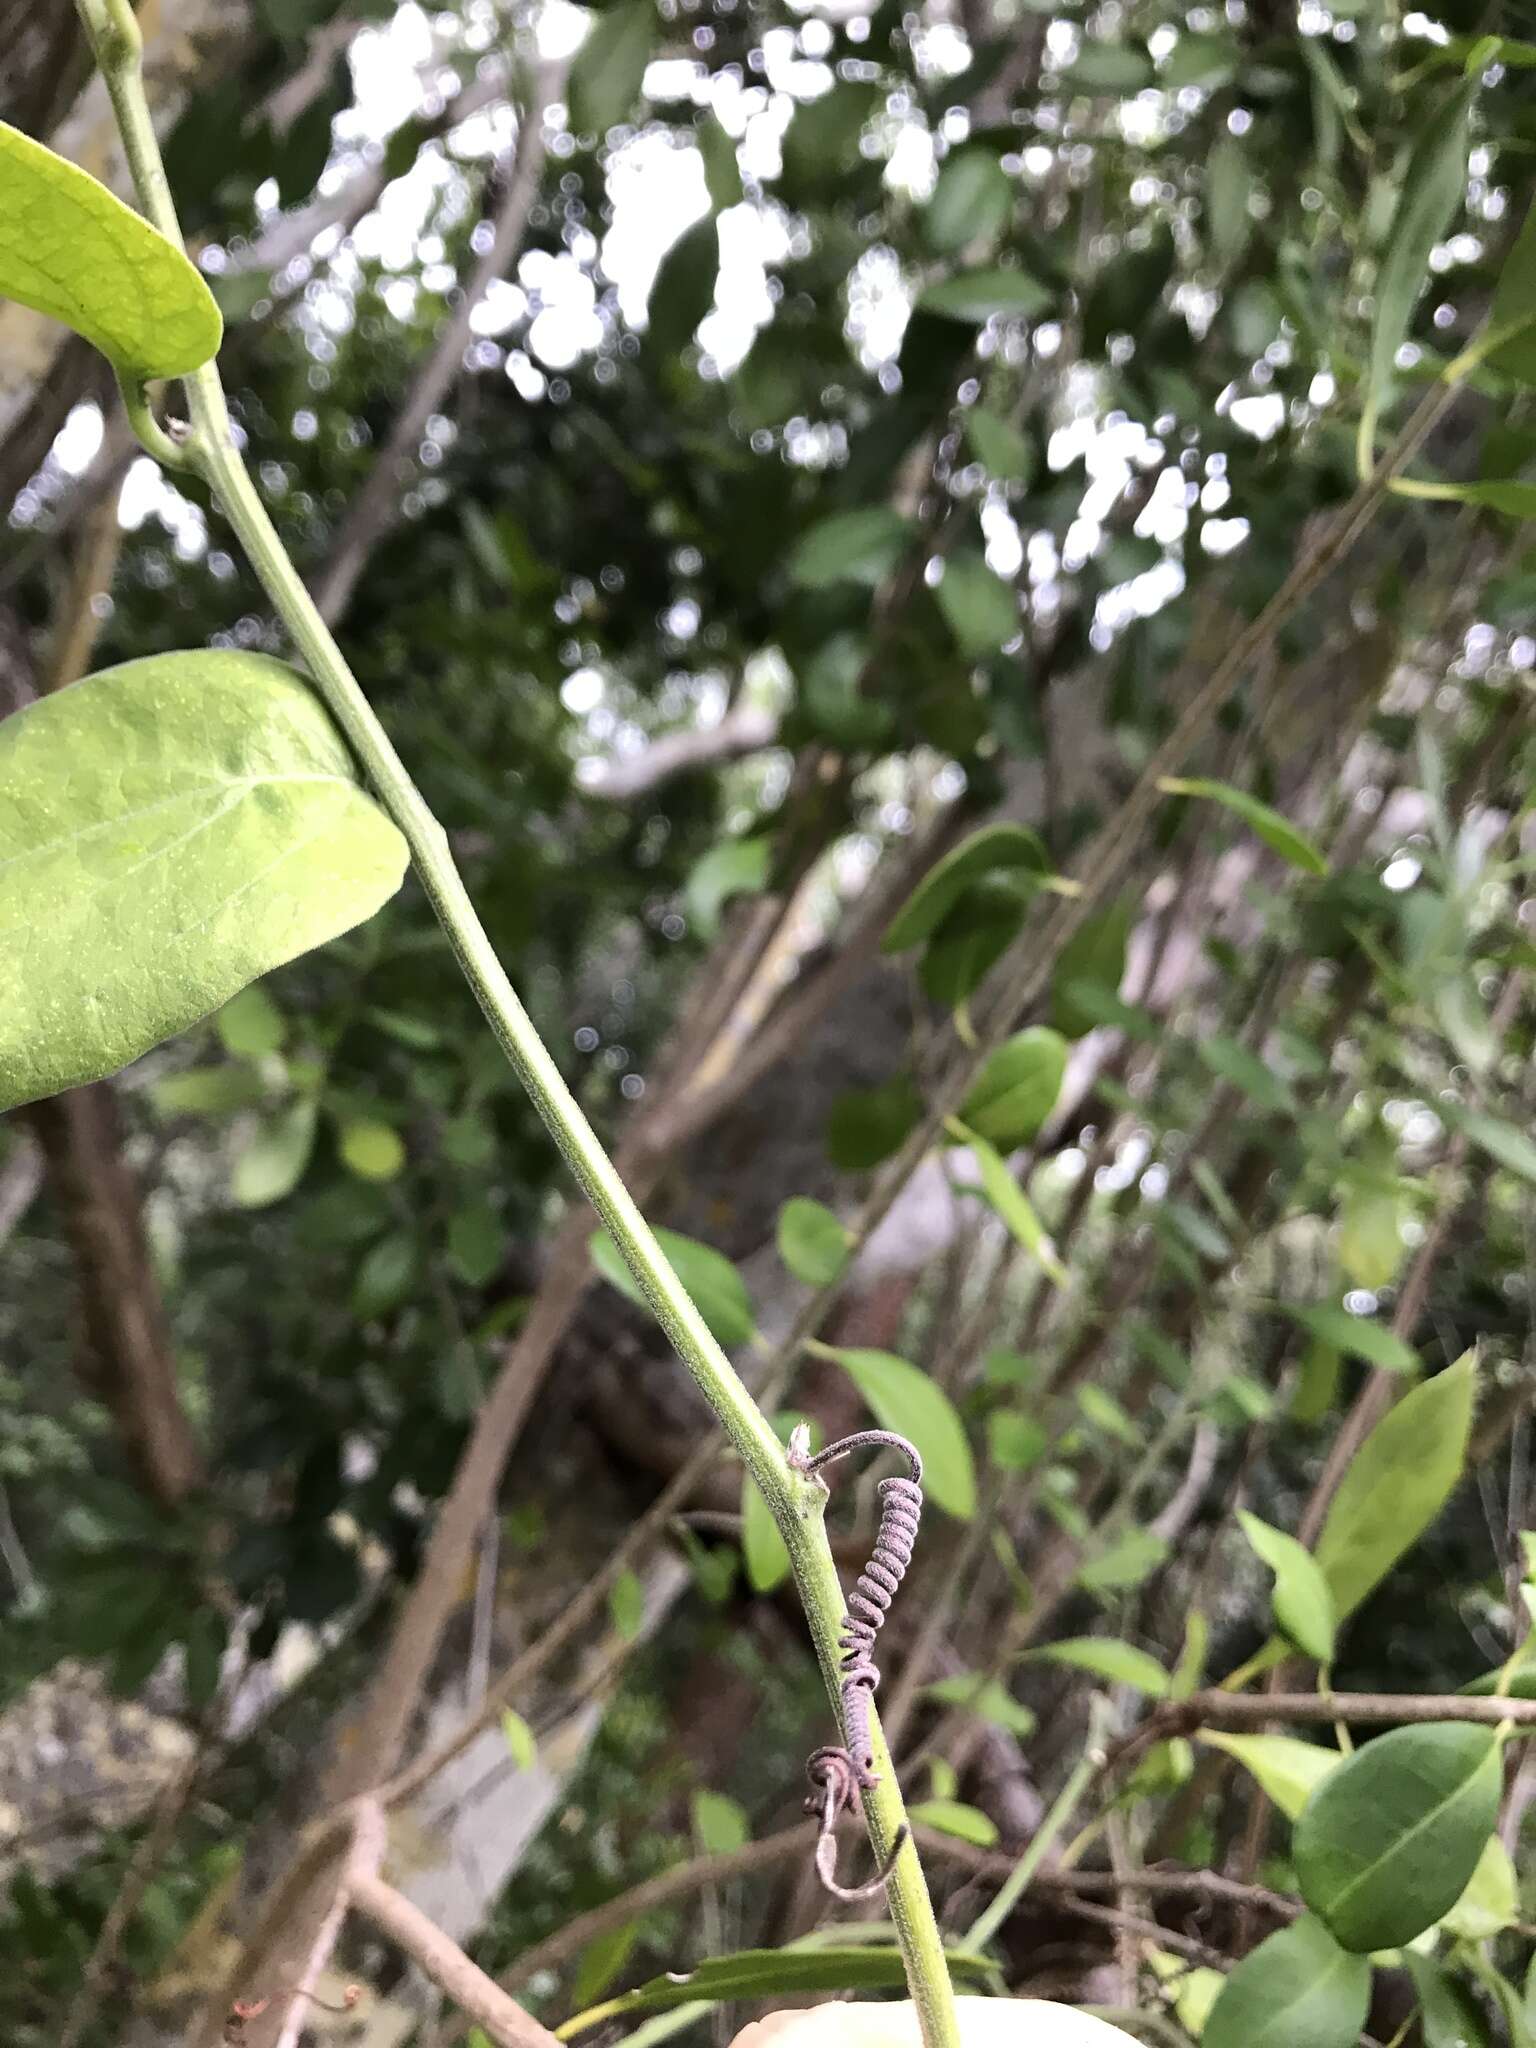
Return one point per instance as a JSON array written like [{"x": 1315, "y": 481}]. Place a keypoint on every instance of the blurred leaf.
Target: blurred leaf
[
  {"x": 518, "y": 1737},
  {"x": 912, "y": 1405},
  {"x": 1449, "y": 2014},
  {"x": 371, "y": 1149},
  {"x": 1230, "y": 1061},
  {"x": 711, "y": 1281},
  {"x": 1297, "y": 1989},
  {"x": 1491, "y": 1901},
  {"x": 987, "y": 1698},
  {"x": 477, "y": 1242},
  {"x": 272, "y": 1162},
  {"x": 1101, "y": 67},
  {"x": 609, "y": 68},
  {"x": 1277, "y": 833},
  {"x": 251, "y": 1025},
  {"x": 812, "y": 1243},
  {"x": 951, "y": 1817},
  {"x": 1091, "y": 966},
  {"x": 867, "y": 1125},
  {"x": 722, "y": 171},
  {"x": 1124, "y": 1565},
  {"x": 1289, "y": 1769},
  {"x": 980, "y": 609},
  {"x": 1119, "y": 1663},
  {"x": 993, "y": 849},
  {"x": 1016, "y": 1090},
  {"x": 976, "y": 296},
  {"x": 762, "y": 1547},
  {"x": 1302, "y": 1600},
  {"x": 736, "y": 867},
  {"x": 719, "y": 1824},
  {"x": 1007, "y": 455},
  {"x": 1012, "y": 1205},
  {"x": 1390, "y": 1841},
  {"x": 971, "y": 200},
  {"x": 1502, "y": 1141},
  {"x": 626, "y": 1605},
  {"x": 684, "y": 290},
  {"x": 1356, "y": 1336},
  {"x": 386, "y": 1276},
  {"x": 601, "y": 1961},
  {"x": 849, "y": 547}
]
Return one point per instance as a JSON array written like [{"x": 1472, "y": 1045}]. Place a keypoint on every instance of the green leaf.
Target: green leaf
[
  {"x": 910, "y": 1403},
  {"x": 1017, "y": 1088},
  {"x": 370, "y": 1149},
  {"x": 609, "y": 68},
  {"x": 736, "y": 867},
  {"x": 952, "y": 1817},
  {"x": 208, "y": 1091},
  {"x": 1397, "y": 1483},
  {"x": 251, "y": 1026},
  {"x": 994, "y": 849},
  {"x": 1502, "y": 494},
  {"x": 273, "y": 1161},
  {"x": 1491, "y": 1901},
  {"x": 849, "y": 547},
  {"x": 1502, "y": 1141},
  {"x": 1120, "y": 1663},
  {"x": 1230, "y": 1061},
  {"x": 190, "y": 821},
  {"x": 972, "y": 198},
  {"x": 719, "y": 1823},
  {"x": 775, "y": 1973},
  {"x": 1392, "y": 1838},
  {"x": 71, "y": 249},
  {"x": 979, "y": 608},
  {"x": 1228, "y": 187},
  {"x": 1297, "y": 1989},
  {"x": 601, "y": 1961},
  {"x": 1370, "y": 1237},
  {"x": 1124, "y": 1565},
  {"x": 1302, "y": 1600},
  {"x": 868, "y": 1124},
  {"x": 987, "y": 1698},
  {"x": 684, "y": 289},
  {"x": 711, "y": 1281},
  {"x": 1009, "y": 1201},
  {"x": 1102, "y": 67},
  {"x": 1514, "y": 308},
  {"x": 477, "y": 1241},
  {"x": 1007, "y": 455},
  {"x": 762, "y": 1547},
  {"x": 626, "y": 1604},
  {"x": 385, "y": 1277},
  {"x": 519, "y": 1739},
  {"x": 722, "y": 168},
  {"x": 1014, "y": 1442},
  {"x": 1448, "y": 2013},
  {"x": 1205, "y": 60},
  {"x": 1289, "y": 1769},
  {"x": 1090, "y": 971},
  {"x": 1277, "y": 833},
  {"x": 813, "y": 1244},
  {"x": 976, "y": 296},
  {"x": 1356, "y": 1336},
  {"x": 1429, "y": 196}
]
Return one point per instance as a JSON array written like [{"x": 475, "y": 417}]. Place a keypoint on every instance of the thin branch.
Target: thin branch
[
  {"x": 375, "y": 508},
  {"x": 746, "y": 730},
  {"x": 369, "y": 1842}
]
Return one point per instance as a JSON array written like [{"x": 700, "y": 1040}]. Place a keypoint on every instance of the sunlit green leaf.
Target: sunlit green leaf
[
  {"x": 1119, "y": 1663},
  {"x": 1002, "y": 848},
  {"x": 1302, "y": 1600}
]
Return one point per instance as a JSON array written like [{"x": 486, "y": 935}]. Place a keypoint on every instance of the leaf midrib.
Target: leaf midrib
[
  {"x": 233, "y": 789},
  {"x": 1425, "y": 1820},
  {"x": 1344, "y": 1961}
]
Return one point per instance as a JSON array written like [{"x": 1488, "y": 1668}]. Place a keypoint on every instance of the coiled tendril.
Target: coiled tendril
[{"x": 839, "y": 1775}]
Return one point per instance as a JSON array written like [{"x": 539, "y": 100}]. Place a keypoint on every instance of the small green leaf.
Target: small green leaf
[
  {"x": 722, "y": 168},
  {"x": 208, "y": 1091},
  {"x": 71, "y": 249},
  {"x": 626, "y": 1605},
  {"x": 1009, "y": 1201},
  {"x": 370, "y": 1149},
  {"x": 1491, "y": 1901},
  {"x": 518, "y": 1737},
  {"x": 477, "y": 1242},
  {"x": 273, "y": 1161},
  {"x": 992, "y": 850},
  {"x": 1502, "y": 1141},
  {"x": 775, "y": 1973},
  {"x": 736, "y": 867},
  {"x": 719, "y": 1823},
  {"x": 684, "y": 289},
  {"x": 1008, "y": 455},
  {"x": 952, "y": 1817},
  {"x": 1014, "y": 1442},
  {"x": 849, "y": 547},
  {"x": 987, "y": 1698},
  {"x": 911, "y": 1404},
  {"x": 712, "y": 1282},
  {"x": 1513, "y": 311},
  {"x": 1429, "y": 196},
  {"x": 1302, "y": 1600},
  {"x": 1289, "y": 1769},
  {"x": 1124, "y": 1565},
  {"x": 609, "y": 68},
  {"x": 251, "y": 1026},
  {"x": 812, "y": 1243},
  {"x": 762, "y": 1546},
  {"x": 1228, "y": 188},
  {"x": 191, "y": 821},
  {"x": 1104, "y": 67},
  {"x": 1390, "y": 1841},
  {"x": 385, "y": 1277},
  {"x": 1016, "y": 1090},
  {"x": 979, "y": 608},
  {"x": 1449, "y": 2014},
  {"x": 868, "y": 1124},
  {"x": 1297, "y": 1989},
  {"x": 1092, "y": 965},
  {"x": 1277, "y": 833},
  {"x": 1370, "y": 1235},
  {"x": 976, "y": 296},
  {"x": 1396, "y": 1484},
  {"x": 971, "y": 199},
  {"x": 601, "y": 1961},
  {"x": 1356, "y": 1336},
  {"x": 1230, "y": 1061},
  {"x": 1120, "y": 1663}
]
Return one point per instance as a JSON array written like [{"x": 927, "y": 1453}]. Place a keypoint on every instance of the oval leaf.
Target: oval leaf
[
  {"x": 1302, "y": 1600},
  {"x": 609, "y": 69},
  {"x": 1089, "y": 972},
  {"x": 1397, "y": 1483},
  {"x": 1392, "y": 1839},
  {"x": 1289, "y": 1769},
  {"x": 976, "y": 295},
  {"x": 994, "y": 848},
  {"x": 1017, "y": 1088},
  {"x": 812, "y": 1242},
  {"x": 953, "y": 1817},
  {"x": 910, "y": 1403},
  {"x": 849, "y": 547},
  {"x": 1277, "y": 833},
  {"x": 1120, "y": 1663},
  {"x": 71, "y": 249},
  {"x": 869, "y": 1124},
  {"x": 1298, "y": 1989},
  {"x": 712, "y": 1282},
  {"x": 1356, "y": 1336},
  {"x": 190, "y": 822},
  {"x": 971, "y": 199}
]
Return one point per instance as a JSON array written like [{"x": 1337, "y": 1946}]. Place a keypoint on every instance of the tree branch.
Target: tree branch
[{"x": 746, "y": 730}]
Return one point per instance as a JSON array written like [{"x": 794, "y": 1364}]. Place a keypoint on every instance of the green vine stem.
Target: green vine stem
[{"x": 796, "y": 1502}]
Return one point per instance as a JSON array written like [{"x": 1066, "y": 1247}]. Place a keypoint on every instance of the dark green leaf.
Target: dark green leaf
[
  {"x": 69, "y": 248},
  {"x": 976, "y": 296},
  {"x": 1390, "y": 1840},
  {"x": 385, "y": 1277},
  {"x": 601, "y": 1961},
  {"x": 1356, "y": 1336},
  {"x": 913, "y": 1405},
  {"x": 684, "y": 290},
  {"x": 609, "y": 68},
  {"x": 774, "y": 1973},
  {"x": 712, "y": 1282},
  {"x": 1297, "y": 1989},
  {"x": 849, "y": 547},
  {"x": 1448, "y": 2013},
  {"x": 190, "y": 821},
  {"x": 991, "y": 850},
  {"x": 869, "y": 1124},
  {"x": 970, "y": 200},
  {"x": 1017, "y": 1088},
  {"x": 979, "y": 608},
  {"x": 1092, "y": 963},
  {"x": 1007, "y": 455}
]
